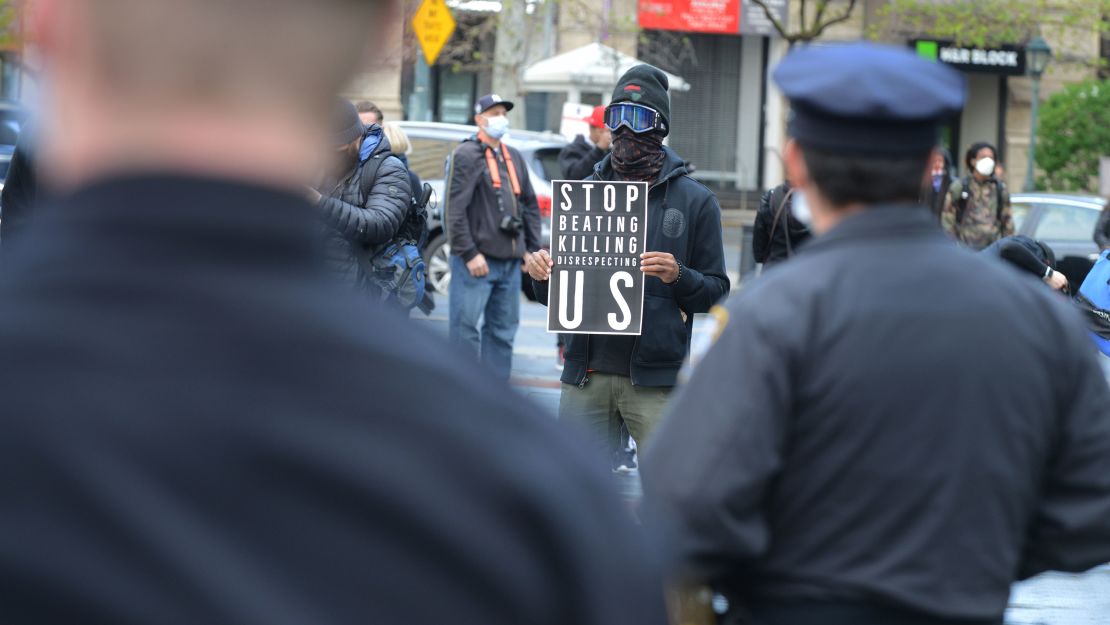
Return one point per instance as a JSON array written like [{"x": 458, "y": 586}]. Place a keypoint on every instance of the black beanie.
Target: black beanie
[
  {"x": 647, "y": 85},
  {"x": 346, "y": 126}
]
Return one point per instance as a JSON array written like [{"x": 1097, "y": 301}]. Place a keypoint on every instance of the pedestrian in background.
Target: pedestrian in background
[
  {"x": 198, "y": 425},
  {"x": 363, "y": 199},
  {"x": 978, "y": 211},
  {"x": 369, "y": 113},
  {"x": 579, "y": 158},
  {"x": 777, "y": 233},
  {"x": 493, "y": 221},
  {"x": 401, "y": 147},
  {"x": 890, "y": 430},
  {"x": 610, "y": 378},
  {"x": 938, "y": 183},
  {"x": 1029, "y": 256}
]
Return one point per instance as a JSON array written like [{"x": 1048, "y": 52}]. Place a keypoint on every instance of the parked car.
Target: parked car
[
  {"x": 431, "y": 144},
  {"x": 1066, "y": 223}
]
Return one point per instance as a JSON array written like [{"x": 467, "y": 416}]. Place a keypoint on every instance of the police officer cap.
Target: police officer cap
[{"x": 866, "y": 98}]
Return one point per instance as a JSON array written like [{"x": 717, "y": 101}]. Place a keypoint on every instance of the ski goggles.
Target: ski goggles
[{"x": 636, "y": 117}]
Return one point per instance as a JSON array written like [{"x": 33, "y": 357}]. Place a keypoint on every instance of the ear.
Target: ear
[{"x": 796, "y": 171}]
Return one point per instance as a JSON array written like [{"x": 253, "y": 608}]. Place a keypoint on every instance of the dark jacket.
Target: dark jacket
[
  {"x": 473, "y": 213},
  {"x": 199, "y": 427},
  {"x": 693, "y": 235},
  {"x": 1102, "y": 229},
  {"x": 578, "y": 159},
  {"x": 360, "y": 224},
  {"x": 20, "y": 192},
  {"x": 1024, "y": 253},
  {"x": 777, "y": 234},
  {"x": 935, "y": 200},
  {"x": 887, "y": 419}
]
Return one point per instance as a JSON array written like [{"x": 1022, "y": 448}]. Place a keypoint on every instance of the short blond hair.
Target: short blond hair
[{"x": 398, "y": 140}]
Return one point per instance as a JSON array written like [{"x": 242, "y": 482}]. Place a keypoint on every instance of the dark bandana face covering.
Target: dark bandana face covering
[{"x": 637, "y": 157}]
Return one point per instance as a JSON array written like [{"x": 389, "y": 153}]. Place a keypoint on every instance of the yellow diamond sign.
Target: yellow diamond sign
[{"x": 433, "y": 25}]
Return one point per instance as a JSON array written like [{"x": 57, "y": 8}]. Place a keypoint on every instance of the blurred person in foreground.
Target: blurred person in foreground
[
  {"x": 198, "y": 425},
  {"x": 891, "y": 430}
]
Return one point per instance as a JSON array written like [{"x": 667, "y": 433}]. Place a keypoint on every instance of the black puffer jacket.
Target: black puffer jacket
[{"x": 358, "y": 226}]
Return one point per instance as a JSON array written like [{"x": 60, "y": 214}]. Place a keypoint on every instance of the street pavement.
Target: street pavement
[{"x": 1050, "y": 599}]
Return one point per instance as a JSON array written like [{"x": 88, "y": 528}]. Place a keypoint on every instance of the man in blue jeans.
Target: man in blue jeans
[{"x": 493, "y": 222}]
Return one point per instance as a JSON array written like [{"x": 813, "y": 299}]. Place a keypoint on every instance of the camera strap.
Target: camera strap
[{"x": 495, "y": 171}]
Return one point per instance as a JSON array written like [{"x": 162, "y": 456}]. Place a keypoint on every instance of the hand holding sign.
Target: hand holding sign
[
  {"x": 538, "y": 265},
  {"x": 661, "y": 265}
]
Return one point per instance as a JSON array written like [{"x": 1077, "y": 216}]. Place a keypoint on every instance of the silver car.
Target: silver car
[
  {"x": 431, "y": 144},
  {"x": 1066, "y": 223}
]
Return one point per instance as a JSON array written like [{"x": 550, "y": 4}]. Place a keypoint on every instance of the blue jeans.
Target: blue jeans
[{"x": 495, "y": 297}]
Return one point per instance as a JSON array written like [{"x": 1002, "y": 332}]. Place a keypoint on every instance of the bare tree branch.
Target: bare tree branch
[
  {"x": 822, "y": 6},
  {"x": 843, "y": 17},
  {"x": 772, "y": 18}
]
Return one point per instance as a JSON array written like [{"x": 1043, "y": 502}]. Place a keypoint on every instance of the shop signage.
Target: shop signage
[
  {"x": 695, "y": 16},
  {"x": 1006, "y": 60},
  {"x": 754, "y": 20},
  {"x": 728, "y": 17},
  {"x": 598, "y": 231}
]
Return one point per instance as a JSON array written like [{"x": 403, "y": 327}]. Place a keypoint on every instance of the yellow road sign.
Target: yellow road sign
[{"x": 433, "y": 25}]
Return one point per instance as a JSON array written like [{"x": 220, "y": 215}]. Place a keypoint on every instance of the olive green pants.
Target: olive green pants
[{"x": 605, "y": 401}]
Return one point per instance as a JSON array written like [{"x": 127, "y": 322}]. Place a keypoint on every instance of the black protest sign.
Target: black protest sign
[{"x": 598, "y": 231}]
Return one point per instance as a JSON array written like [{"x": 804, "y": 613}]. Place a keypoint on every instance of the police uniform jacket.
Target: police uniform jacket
[{"x": 888, "y": 419}]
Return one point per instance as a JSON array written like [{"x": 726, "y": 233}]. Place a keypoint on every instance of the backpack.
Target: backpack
[
  {"x": 397, "y": 268},
  {"x": 1094, "y": 300},
  {"x": 965, "y": 195}
]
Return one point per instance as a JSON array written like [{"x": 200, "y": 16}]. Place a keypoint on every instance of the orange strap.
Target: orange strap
[{"x": 495, "y": 171}]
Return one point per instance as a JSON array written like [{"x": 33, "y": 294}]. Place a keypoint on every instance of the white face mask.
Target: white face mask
[
  {"x": 497, "y": 126},
  {"x": 800, "y": 208},
  {"x": 985, "y": 166}
]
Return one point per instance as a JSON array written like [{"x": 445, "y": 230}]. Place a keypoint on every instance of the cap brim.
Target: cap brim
[{"x": 505, "y": 103}]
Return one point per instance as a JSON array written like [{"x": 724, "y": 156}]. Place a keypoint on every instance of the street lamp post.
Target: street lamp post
[{"x": 1037, "y": 57}]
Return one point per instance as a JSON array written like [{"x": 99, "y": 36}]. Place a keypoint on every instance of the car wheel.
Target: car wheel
[{"x": 438, "y": 260}]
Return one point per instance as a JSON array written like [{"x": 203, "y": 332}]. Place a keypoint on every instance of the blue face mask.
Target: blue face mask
[{"x": 497, "y": 126}]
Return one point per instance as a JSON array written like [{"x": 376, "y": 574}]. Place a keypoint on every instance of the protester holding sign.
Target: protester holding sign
[{"x": 616, "y": 376}]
